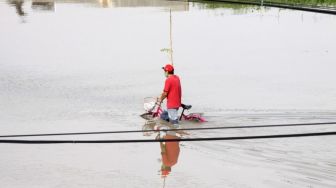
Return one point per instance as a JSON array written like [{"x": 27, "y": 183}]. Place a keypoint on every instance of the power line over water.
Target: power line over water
[
  {"x": 184, "y": 129},
  {"x": 166, "y": 140}
]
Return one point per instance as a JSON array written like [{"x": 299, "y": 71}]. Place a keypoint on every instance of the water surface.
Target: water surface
[{"x": 87, "y": 65}]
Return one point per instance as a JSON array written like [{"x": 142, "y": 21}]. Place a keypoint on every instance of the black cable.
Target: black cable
[
  {"x": 163, "y": 140},
  {"x": 186, "y": 129}
]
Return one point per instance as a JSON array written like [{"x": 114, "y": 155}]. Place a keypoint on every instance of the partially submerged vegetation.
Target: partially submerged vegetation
[
  {"x": 217, "y": 3},
  {"x": 330, "y": 3},
  {"x": 237, "y": 8}
]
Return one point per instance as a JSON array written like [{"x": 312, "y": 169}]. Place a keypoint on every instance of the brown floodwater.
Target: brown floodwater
[{"x": 87, "y": 65}]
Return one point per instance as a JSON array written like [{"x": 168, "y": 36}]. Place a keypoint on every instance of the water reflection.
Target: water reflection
[
  {"x": 170, "y": 151},
  {"x": 105, "y": 3},
  {"x": 18, "y": 4},
  {"x": 48, "y": 5},
  {"x": 182, "y": 5}
]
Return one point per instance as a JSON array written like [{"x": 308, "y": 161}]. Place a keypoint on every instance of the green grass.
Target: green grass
[
  {"x": 326, "y": 3},
  {"x": 306, "y": 2}
]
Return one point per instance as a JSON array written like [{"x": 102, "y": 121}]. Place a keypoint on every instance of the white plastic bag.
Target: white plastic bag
[{"x": 149, "y": 104}]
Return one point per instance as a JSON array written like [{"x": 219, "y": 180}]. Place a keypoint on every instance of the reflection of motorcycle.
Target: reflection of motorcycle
[{"x": 169, "y": 150}]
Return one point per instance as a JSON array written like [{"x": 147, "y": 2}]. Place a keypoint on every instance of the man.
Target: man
[{"x": 173, "y": 92}]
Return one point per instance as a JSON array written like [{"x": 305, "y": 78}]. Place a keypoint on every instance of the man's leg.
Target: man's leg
[
  {"x": 173, "y": 117},
  {"x": 164, "y": 115}
]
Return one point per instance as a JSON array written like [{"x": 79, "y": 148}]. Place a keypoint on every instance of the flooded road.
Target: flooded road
[{"x": 81, "y": 66}]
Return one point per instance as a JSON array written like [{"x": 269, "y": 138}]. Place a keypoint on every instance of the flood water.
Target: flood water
[{"x": 80, "y": 66}]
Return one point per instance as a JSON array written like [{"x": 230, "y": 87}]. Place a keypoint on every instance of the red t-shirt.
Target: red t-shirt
[
  {"x": 170, "y": 157},
  {"x": 173, "y": 88}
]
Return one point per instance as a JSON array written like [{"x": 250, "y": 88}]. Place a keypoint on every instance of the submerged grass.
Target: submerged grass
[
  {"x": 306, "y": 2},
  {"x": 318, "y": 3}
]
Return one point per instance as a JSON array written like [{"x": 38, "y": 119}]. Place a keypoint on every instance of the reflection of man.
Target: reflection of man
[
  {"x": 169, "y": 152},
  {"x": 173, "y": 92}
]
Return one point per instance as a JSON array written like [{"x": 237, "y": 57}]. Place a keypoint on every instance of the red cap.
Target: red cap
[{"x": 168, "y": 68}]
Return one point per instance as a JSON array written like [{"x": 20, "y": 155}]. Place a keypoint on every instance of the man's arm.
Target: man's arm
[
  {"x": 165, "y": 91},
  {"x": 162, "y": 97}
]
